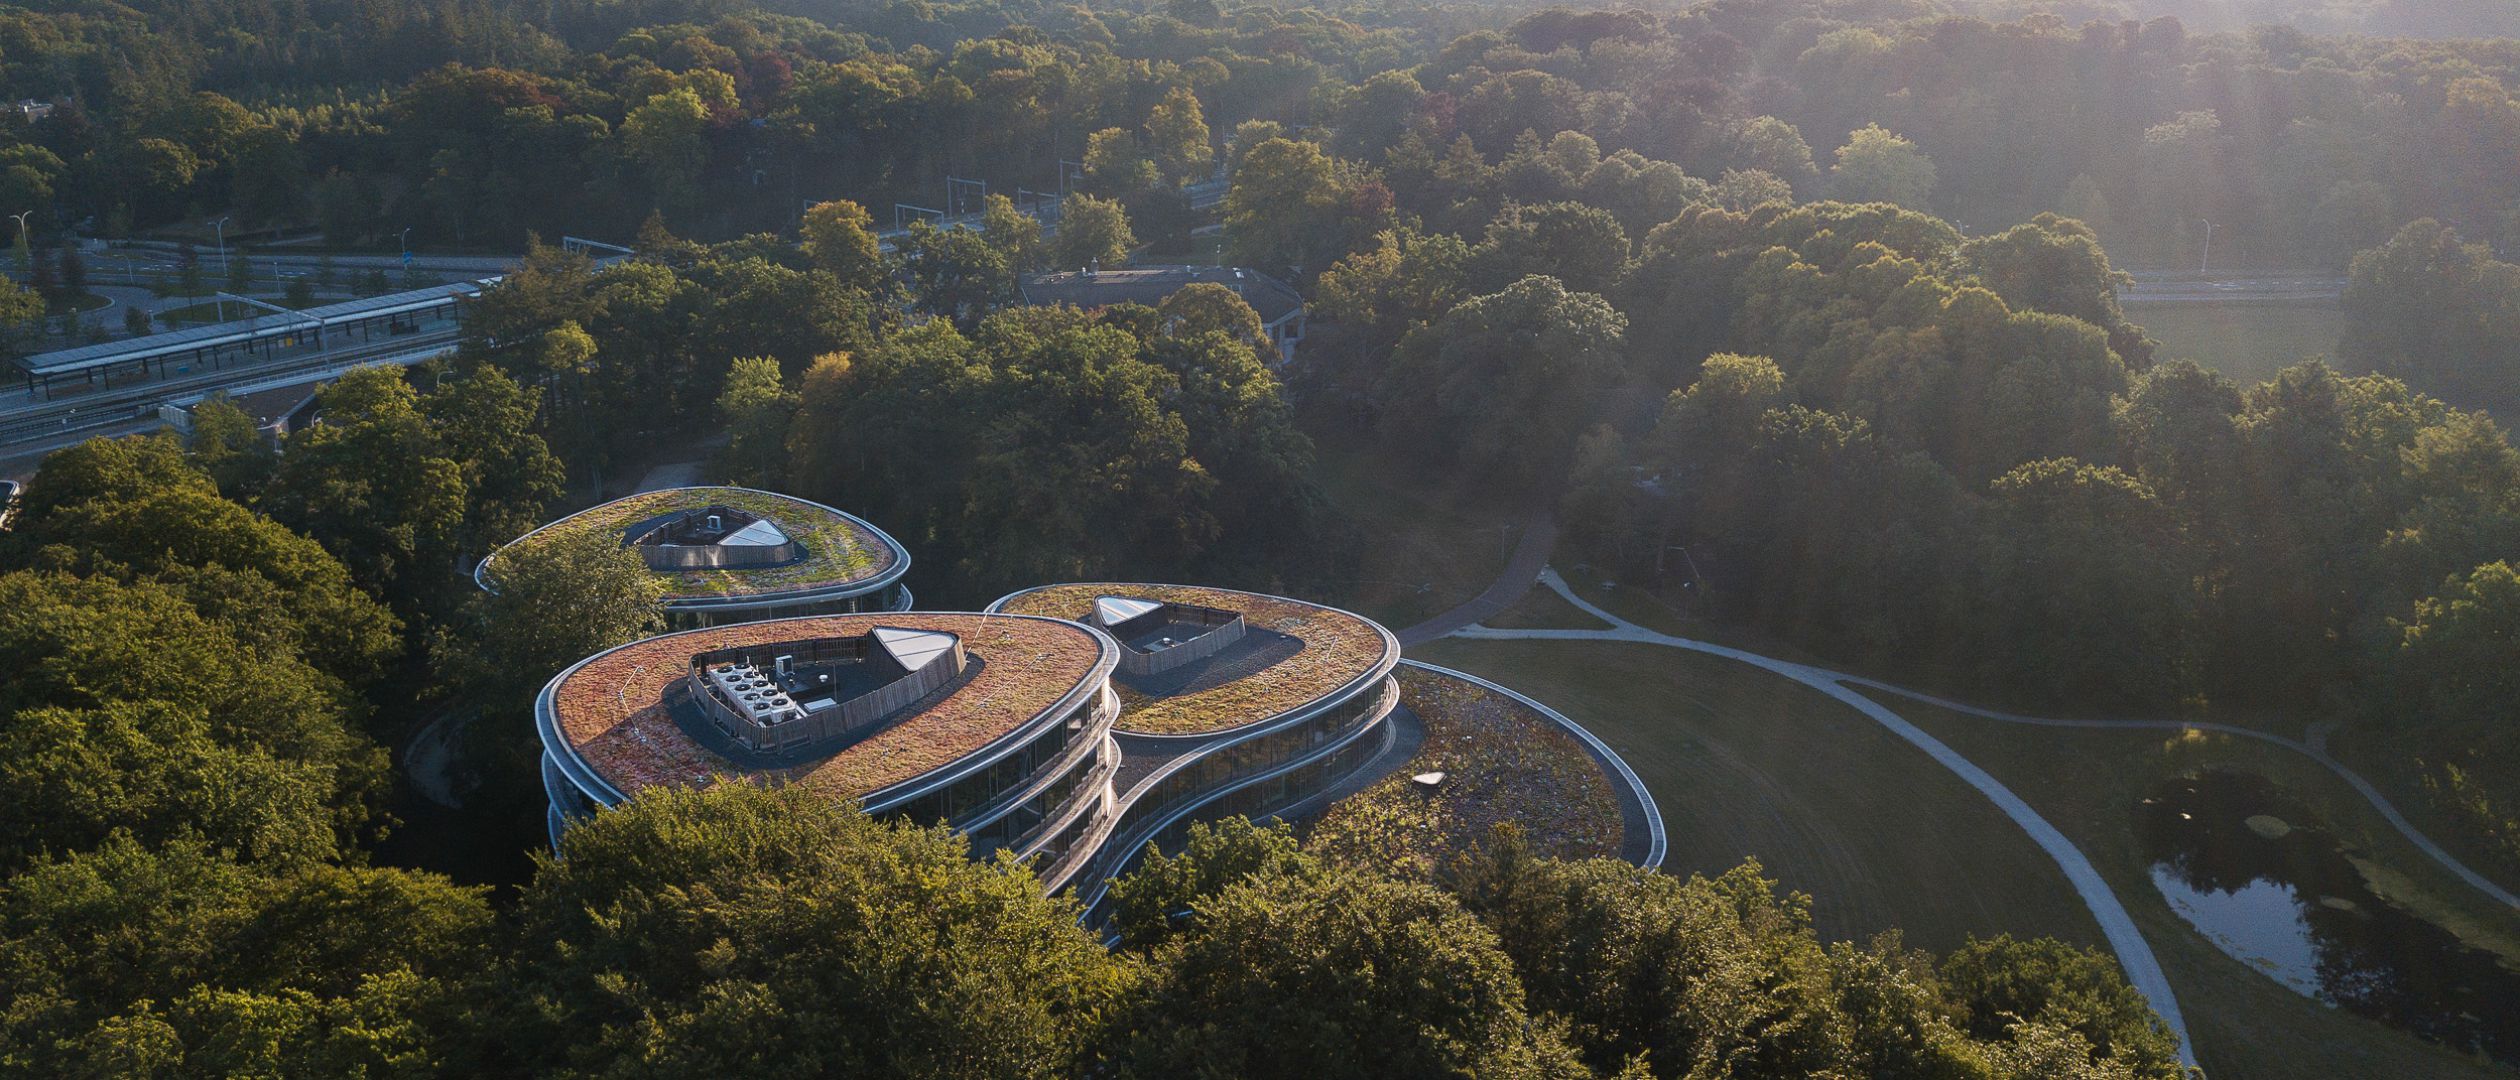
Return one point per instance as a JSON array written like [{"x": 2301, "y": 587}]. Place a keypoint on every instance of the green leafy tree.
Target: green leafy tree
[
  {"x": 1177, "y": 137},
  {"x": 267, "y": 584},
  {"x": 1292, "y": 207},
  {"x": 1092, "y": 232},
  {"x": 2434, "y": 309},
  {"x": 2452, "y": 653},
  {"x": 1117, "y": 166},
  {"x": 2004, "y": 982},
  {"x": 1381, "y": 293},
  {"x": 486, "y": 423},
  {"x": 758, "y": 410},
  {"x": 2055, "y": 265},
  {"x": 1877, "y": 166},
  {"x": 840, "y": 237},
  {"x": 129, "y": 959},
  {"x": 1165, "y": 894},
  {"x": 2089, "y": 587},
  {"x": 1340, "y": 975},
  {"x": 955, "y": 273},
  {"x": 374, "y": 484},
  {"x": 127, "y": 468},
  {"x": 550, "y": 603},
  {"x": 1581, "y": 246},
  {"x": 1014, "y": 233},
  {"x": 1772, "y": 146},
  {"x": 741, "y": 929},
  {"x": 21, "y": 315},
  {"x": 1206, "y": 307},
  {"x": 1505, "y": 382},
  {"x": 140, "y": 672},
  {"x": 667, "y": 137}
]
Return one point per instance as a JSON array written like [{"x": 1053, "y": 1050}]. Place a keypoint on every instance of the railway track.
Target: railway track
[{"x": 122, "y": 405}]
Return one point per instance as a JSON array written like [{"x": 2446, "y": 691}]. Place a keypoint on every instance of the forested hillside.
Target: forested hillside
[{"x": 1799, "y": 317}]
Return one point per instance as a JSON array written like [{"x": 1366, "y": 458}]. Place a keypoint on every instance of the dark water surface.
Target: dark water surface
[{"x": 2254, "y": 872}]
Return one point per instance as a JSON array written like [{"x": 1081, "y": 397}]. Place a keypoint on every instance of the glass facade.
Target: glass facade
[
  {"x": 1054, "y": 851},
  {"x": 970, "y": 798},
  {"x": 890, "y": 598},
  {"x": 1008, "y": 828},
  {"x": 1224, "y": 766},
  {"x": 1257, "y": 800}
]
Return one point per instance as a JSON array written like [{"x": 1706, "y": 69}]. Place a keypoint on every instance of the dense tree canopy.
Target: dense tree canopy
[{"x": 776, "y": 932}]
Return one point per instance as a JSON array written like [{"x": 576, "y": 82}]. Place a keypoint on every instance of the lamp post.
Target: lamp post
[
  {"x": 26, "y": 250},
  {"x": 2208, "y": 257},
  {"x": 405, "y": 243},
  {"x": 219, "y": 229}
]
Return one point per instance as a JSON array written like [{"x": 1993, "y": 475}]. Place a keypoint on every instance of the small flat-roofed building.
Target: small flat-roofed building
[
  {"x": 731, "y": 554},
  {"x": 994, "y": 724},
  {"x": 1281, "y": 308},
  {"x": 276, "y": 411}
]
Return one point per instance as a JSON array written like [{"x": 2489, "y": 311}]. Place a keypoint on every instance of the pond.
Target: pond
[{"x": 2255, "y": 873}]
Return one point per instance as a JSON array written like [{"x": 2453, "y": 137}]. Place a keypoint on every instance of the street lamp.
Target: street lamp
[
  {"x": 2208, "y": 257},
  {"x": 24, "y": 246},
  {"x": 406, "y": 248}
]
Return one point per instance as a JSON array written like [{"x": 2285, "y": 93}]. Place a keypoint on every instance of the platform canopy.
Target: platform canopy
[{"x": 83, "y": 358}]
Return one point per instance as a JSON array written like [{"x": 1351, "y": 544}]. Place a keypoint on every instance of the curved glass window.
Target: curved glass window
[
  {"x": 1222, "y": 767},
  {"x": 959, "y": 801},
  {"x": 1007, "y": 828}
]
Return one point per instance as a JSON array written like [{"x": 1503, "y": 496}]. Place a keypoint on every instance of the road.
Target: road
[
  {"x": 2237, "y": 286},
  {"x": 1522, "y": 570}
]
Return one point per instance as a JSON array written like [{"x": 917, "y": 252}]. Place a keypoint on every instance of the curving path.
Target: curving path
[
  {"x": 1529, "y": 560},
  {"x": 2143, "y": 970},
  {"x": 2134, "y": 955},
  {"x": 2312, "y": 749}
]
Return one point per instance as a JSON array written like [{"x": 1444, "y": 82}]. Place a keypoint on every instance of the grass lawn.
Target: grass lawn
[
  {"x": 2246, "y": 1025},
  {"x": 205, "y": 312},
  {"x": 1744, "y": 763},
  {"x": 1419, "y": 547},
  {"x": 1543, "y": 609},
  {"x": 2246, "y": 342}
]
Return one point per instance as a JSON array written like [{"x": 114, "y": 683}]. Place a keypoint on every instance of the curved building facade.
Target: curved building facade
[
  {"x": 1072, "y": 725},
  {"x": 1232, "y": 703},
  {"x": 730, "y": 554},
  {"x": 996, "y": 725}
]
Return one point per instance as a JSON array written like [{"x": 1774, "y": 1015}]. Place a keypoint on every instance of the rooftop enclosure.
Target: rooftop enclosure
[
  {"x": 1156, "y": 637},
  {"x": 627, "y": 719},
  {"x": 1290, "y": 657},
  {"x": 784, "y": 696},
  {"x": 730, "y": 554},
  {"x": 715, "y": 537}
]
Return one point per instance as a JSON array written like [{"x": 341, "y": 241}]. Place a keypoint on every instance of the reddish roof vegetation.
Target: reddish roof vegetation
[
  {"x": 839, "y": 550},
  {"x": 613, "y": 714},
  {"x": 1338, "y": 648}
]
